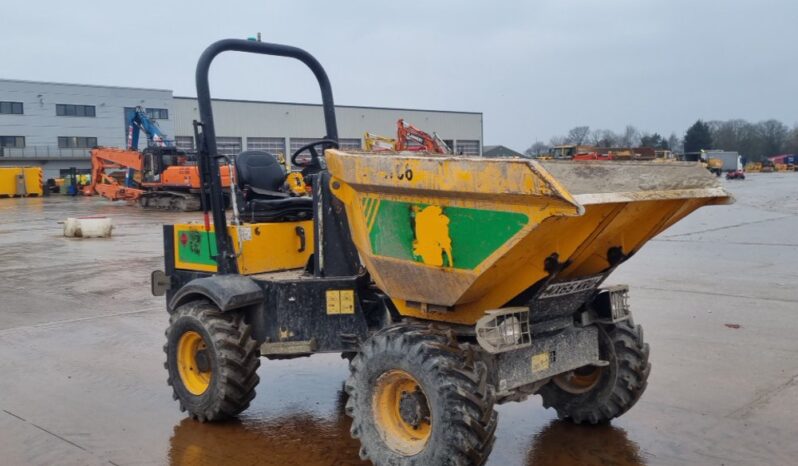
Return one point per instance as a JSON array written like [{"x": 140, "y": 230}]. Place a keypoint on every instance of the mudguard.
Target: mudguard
[{"x": 227, "y": 292}]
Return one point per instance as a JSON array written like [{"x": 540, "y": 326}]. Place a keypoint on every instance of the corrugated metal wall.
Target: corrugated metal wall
[{"x": 243, "y": 119}]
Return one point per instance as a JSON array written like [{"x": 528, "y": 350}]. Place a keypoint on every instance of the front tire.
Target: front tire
[
  {"x": 212, "y": 361},
  {"x": 598, "y": 394},
  {"x": 417, "y": 397}
]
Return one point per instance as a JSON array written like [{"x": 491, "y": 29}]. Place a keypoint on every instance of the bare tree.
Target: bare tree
[
  {"x": 675, "y": 144},
  {"x": 603, "y": 138},
  {"x": 578, "y": 135},
  {"x": 754, "y": 140},
  {"x": 630, "y": 137},
  {"x": 558, "y": 141},
  {"x": 774, "y": 135},
  {"x": 537, "y": 148},
  {"x": 791, "y": 144}
]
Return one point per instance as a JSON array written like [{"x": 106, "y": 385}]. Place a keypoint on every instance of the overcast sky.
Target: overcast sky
[{"x": 534, "y": 68}]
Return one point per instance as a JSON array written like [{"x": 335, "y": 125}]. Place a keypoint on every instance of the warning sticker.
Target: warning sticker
[
  {"x": 540, "y": 362},
  {"x": 340, "y": 301},
  {"x": 244, "y": 233}
]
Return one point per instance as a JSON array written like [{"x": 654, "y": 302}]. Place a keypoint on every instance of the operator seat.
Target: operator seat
[{"x": 260, "y": 177}]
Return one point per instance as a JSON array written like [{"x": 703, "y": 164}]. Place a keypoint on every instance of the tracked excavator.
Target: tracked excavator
[{"x": 159, "y": 177}]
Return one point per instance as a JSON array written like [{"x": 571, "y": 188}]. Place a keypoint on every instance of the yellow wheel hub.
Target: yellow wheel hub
[
  {"x": 401, "y": 412},
  {"x": 195, "y": 372}
]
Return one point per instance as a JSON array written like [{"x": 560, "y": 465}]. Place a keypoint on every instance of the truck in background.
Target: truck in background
[{"x": 731, "y": 160}]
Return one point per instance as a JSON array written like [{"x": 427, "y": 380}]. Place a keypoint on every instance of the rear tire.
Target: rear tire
[
  {"x": 600, "y": 394},
  {"x": 416, "y": 397},
  {"x": 212, "y": 361}
]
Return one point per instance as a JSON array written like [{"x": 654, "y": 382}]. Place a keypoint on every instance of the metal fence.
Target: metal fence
[{"x": 44, "y": 153}]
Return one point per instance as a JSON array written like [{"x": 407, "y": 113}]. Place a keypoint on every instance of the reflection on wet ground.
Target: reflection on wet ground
[
  {"x": 310, "y": 438},
  {"x": 563, "y": 443},
  {"x": 297, "y": 437}
]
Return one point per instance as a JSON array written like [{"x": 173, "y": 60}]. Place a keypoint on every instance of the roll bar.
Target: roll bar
[{"x": 205, "y": 130}]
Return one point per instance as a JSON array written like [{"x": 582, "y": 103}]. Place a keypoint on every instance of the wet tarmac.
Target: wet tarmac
[{"x": 82, "y": 381}]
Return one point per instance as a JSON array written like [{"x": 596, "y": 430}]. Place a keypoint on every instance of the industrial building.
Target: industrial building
[{"x": 55, "y": 124}]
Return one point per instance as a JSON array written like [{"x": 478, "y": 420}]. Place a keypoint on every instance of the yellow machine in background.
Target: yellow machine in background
[
  {"x": 21, "y": 181},
  {"x": 715, "y": 166},
  {"x": 377, "y": 143},
  {"x": 753, "y": 167}
]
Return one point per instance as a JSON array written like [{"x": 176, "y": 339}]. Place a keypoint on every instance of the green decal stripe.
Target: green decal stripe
[
  {"x": 196, "y": 247},
  {"x": 392, "y": 233},
  {"x": 475, "y": 233}
]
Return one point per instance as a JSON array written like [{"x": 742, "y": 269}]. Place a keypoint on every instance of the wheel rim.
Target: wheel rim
[
  {"x": 192, "y": 363},
  {"x": 579, "y": 380},
  {"x": 401, "y": 412}
]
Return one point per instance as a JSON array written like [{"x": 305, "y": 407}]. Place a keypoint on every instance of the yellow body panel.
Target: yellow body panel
[
  {"x": 31, "y": 181},
  {"x": 576, "y": 211},
  {"x": 260, "y": 247}
]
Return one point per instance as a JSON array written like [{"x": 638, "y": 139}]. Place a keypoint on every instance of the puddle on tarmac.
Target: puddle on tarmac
[
  {"x": 297, "y": 437},
  {"x": 563, "y": 443},
  {"x": 298, "y": 418},
  {"x": 305, "y": 438}
]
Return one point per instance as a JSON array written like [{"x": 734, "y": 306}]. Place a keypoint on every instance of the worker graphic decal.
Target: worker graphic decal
[
  {"x": 435, "y": 235},
  {"x": 194, "y": 242},
  {"x": 432, "y": 244}
]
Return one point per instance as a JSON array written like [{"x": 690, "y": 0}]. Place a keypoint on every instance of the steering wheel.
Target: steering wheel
[{"x": 314, "y": 162}]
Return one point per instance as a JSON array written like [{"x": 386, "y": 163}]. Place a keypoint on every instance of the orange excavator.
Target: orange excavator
[
  {"x": 159, "y": 177},
  {"x": 410, "y": 138}
]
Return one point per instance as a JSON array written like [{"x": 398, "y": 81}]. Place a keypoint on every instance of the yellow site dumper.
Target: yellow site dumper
[
  {"x": 450, "y": 283},
  {"x": 20, "y": 181}
]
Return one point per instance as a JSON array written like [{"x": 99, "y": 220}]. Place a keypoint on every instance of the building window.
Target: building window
[
  {"x": 157, "y": 113},
  {"x": 75, "y": 110},
  {"x": 296, "y": 143},
  {"x": 349, "y": 143},
  {"x": 467, "y": 147},
  {"x": 15, "y": 142},
  {"x": 76, "y": 142},
  {"x": 185, "y": 143},
  {"x": 11, "y": 108},
  {"x": 228, "y": 145},
  {"x": 271, "y": 145}
]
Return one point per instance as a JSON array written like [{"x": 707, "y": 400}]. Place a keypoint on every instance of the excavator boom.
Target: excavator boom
[
  {"x": 410, "y": 138},
  {"x": 107, "y": 158}
]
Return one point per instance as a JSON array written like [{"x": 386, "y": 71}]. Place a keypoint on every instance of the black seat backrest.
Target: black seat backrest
[{"x": 259, "y": 170}]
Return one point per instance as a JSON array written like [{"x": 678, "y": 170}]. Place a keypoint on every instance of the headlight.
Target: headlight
[{"x": 504, "y": 329}]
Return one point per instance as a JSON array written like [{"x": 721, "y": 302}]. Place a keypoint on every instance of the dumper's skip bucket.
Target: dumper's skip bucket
[{"x": 451, "y": 237}]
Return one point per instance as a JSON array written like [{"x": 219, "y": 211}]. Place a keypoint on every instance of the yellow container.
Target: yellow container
[
  {"x": 448, "y": 238},
  {"x": 21, "y": 181}
]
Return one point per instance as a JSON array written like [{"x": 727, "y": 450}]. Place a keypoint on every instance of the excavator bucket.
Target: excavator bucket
[{"x": 450, "y": 237}]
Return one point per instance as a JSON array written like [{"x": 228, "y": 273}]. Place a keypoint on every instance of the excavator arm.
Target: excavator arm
[
  {"x": 138, "y": 122},
  {"x": 408, "y": 134},
  {"x": 106, "y": 158}
]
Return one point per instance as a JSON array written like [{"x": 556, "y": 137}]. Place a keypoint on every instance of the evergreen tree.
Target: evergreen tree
[{"x": 698, "y": 137}]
